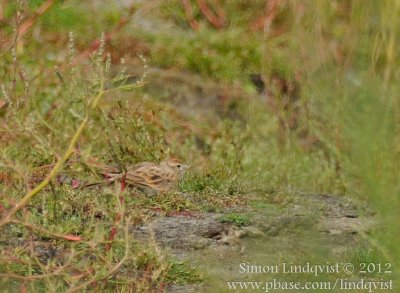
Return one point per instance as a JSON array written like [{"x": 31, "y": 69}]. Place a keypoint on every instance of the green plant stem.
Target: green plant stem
[{"x": 57, "y": 167}]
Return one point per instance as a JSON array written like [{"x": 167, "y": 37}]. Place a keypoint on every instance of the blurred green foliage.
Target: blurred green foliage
[{"x": 342, "y": 54}]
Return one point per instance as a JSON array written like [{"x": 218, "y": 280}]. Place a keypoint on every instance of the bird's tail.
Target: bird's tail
[
  {"x": 111, "y": 177},
  {"x": 109, "y": 173}
]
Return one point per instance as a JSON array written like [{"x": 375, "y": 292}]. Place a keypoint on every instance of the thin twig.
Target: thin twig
[
  {"x": 55, "y": 201},
  {"x": 114, "y": 269},
  {"x": 41, "y": 230},
  {"x": 36, "y": 277}
]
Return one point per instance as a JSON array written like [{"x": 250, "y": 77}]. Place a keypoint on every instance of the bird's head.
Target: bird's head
[{"x": 176, "y": 165}]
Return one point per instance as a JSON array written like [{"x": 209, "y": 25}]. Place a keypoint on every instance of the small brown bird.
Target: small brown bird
[{"x": 152, "y": 177}]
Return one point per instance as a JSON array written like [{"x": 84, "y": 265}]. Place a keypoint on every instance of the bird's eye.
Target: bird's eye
[{"x": 179, "y": 166}]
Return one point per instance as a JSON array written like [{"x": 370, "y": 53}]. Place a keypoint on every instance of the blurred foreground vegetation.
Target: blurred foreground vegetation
[{"x": 323, "y": 117}]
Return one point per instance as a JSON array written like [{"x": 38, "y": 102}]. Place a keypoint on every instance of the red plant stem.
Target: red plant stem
[
  {"x": 23, "y": 29},
  {"x": 210, "y": 16},
  {"x": 189, "y": 15},
  {"x": 265, "y": 21},
  {"x": 113, "y": 232},
  {"x": 108, "y": 36}
]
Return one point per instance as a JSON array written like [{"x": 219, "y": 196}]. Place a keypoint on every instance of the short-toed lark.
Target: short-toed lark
[{"x": 152, "y": 177}]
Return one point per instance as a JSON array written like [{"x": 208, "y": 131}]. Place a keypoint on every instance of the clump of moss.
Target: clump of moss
[{"x": 236, "y": 219}]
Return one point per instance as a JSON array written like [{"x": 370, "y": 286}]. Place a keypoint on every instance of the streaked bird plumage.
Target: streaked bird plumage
[{"x": 152, "y": 177}]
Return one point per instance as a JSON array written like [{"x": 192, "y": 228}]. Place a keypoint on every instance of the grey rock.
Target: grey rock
[{"x": 182, "y": 232}]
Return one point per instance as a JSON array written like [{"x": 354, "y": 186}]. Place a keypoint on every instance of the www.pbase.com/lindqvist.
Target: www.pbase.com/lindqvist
[{"x": 338, "y": 284}]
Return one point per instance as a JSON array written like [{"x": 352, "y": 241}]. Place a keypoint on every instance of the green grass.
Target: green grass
[
  {"x": 198, "y": 183},
  {"x": 370, "y": 261},
  {"x": 182, "y": 273}
]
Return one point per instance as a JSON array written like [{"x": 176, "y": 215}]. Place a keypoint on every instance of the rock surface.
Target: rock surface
[
  {"x": 182, "y": 232},
  {"x": 336, "y": 220}
]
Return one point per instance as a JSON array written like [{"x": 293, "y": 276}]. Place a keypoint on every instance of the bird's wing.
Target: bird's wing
[
  {"x": 141, "y": 165},
  {"x": 115, "y": 173},
  {"x": 149, "y": 176}
]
